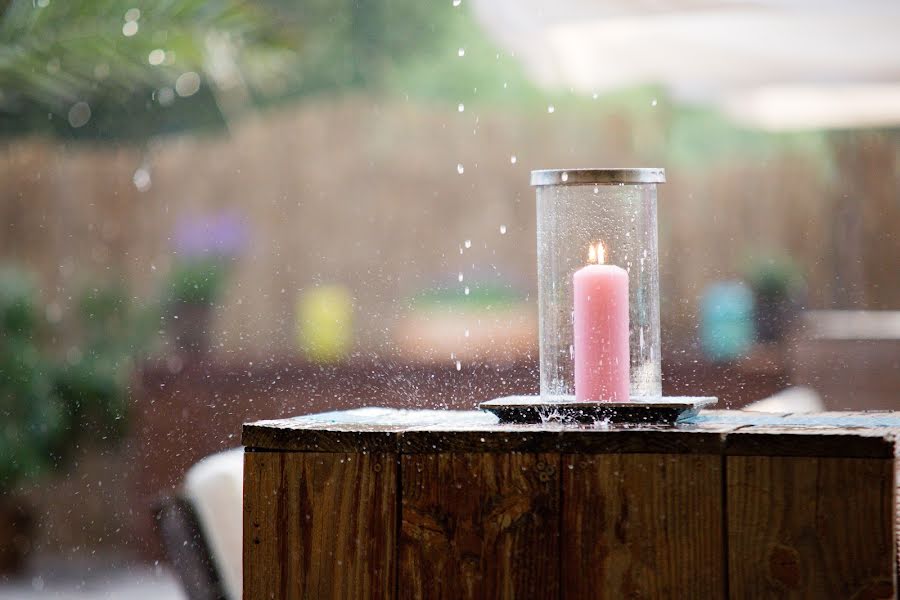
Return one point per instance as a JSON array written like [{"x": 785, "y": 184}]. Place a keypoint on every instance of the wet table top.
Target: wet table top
[{"x": 845, "y": 434}]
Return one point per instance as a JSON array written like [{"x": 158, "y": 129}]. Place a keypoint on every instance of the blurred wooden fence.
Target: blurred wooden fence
[{"x": 368, "y": 194}]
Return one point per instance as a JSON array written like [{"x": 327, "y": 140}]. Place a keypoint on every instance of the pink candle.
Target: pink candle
[{"x": 601, "y": 331}]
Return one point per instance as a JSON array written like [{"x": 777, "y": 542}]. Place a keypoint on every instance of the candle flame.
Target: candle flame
[{"x": 597, "y": 253}]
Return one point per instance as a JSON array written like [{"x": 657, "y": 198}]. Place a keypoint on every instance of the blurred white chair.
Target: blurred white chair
[
  {"x": 214, "y": 488},
  {"x": 798, "y": 399}
]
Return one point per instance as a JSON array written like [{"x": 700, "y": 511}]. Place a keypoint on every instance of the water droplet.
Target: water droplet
[
  {"x": 187, "y": 84},
  {"x": 551, "y": 109},
  {"x": 141, "y": 179},
  {"x": 595, "y": 96},
  {"x": 596, "y": 189},
  {"x": 132, "y": 14},
  {"x": 468, "y": 243},
  {"x": 130, "y": 28},
  {"x": 466, "y": 291},
  {"x": 513, "y": 159},
  {"x": 461, "y": 277},
  {"x": 461, "y": 52},
  {"x": 503, "y": 230},
  {"x": 653, "y": 103},
  {"x": 456, "y": 3},
  {"x": 460, "y": 169},
  {"x": 461, "y": 107},
  {"x": 156, "y": 57},
  {"x": 565, "y": 177},
  {"x": 466, "y": 333},
  {"x": 42, "y": 3},
  {"x": 459, "y": 365}
]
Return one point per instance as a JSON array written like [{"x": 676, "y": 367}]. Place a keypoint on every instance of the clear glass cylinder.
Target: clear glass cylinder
[{"x": 588, "y": 216}]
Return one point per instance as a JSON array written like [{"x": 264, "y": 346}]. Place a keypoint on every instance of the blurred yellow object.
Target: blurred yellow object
[{"x": 325, "y": 323}]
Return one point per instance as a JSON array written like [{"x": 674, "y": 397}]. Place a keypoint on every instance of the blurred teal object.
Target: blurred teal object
[{"x": 726, "y": 320}]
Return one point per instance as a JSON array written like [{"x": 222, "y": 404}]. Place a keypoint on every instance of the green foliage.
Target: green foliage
[
  {"x": 50, "y": 403},
  {"x": 197, "y": 281},
  {"x": 56, "y": 54}
]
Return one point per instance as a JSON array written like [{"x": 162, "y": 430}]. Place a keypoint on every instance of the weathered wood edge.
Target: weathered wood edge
[
  {"x": 812, "y": 442},
  {"x": 731, "y": 439}
]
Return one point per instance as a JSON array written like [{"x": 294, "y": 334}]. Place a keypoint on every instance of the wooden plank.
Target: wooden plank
[
  {"x": 642, "y": 526},
  {"x": 479, "y": 525},
  {"x": 810, "y": 527},
  {"x": 264, "y": 539},
  {"x": 733, "y": 432},
  {"x": 319, "y": 525}
]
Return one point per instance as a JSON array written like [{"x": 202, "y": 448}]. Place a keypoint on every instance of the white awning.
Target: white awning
[{"x": 762, "y": 61}]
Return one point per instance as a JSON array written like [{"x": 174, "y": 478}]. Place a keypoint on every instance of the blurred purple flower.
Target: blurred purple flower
[{"x": 223, "y": 235}]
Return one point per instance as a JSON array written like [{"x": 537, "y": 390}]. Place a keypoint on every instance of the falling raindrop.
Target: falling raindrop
[
  {"x": 461, "y": 107},
  {"x": 130, "y": 28},
  {"x": 461, "y": 52},
  {"x": 141, "y": 179},
  {"x": 503, "y": 230},
  {"x": 653, "y": 103},
  {"x": 460, "y": 169},
  {"x": 79, "y": 114},
  {"x": 513, "y": 160},
  {"x": 459, "y": 365},
  {"x": 460, "y": 277},
  {"x": 187, "y": 84},
  {"x": 565, "y": 177},
  {"x": 551, "y": 109},
  {"x": 132, "y": 14},
  {"x": 466, "y": 333},
  {"x": 156, "y": 57},
  {"x": 468, "y": 243},
  {"x": 466, "y": 291},
  {"x": 456, "y": 3},
  {"x": 165, "y": 96}
]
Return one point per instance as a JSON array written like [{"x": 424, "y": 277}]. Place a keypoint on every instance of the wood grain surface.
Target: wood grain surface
[
  {"x": 810, "y": 527},
  {"x": 642, "y": 526},
  {"x": 319, "y": 526},
  {"x": 479, "y": 526}
]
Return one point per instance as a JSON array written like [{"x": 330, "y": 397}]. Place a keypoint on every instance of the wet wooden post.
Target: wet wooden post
[{"x": 376, "y": 503}]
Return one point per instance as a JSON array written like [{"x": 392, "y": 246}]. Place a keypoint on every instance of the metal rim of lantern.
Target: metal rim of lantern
[{"x": 597, "y": 176}]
